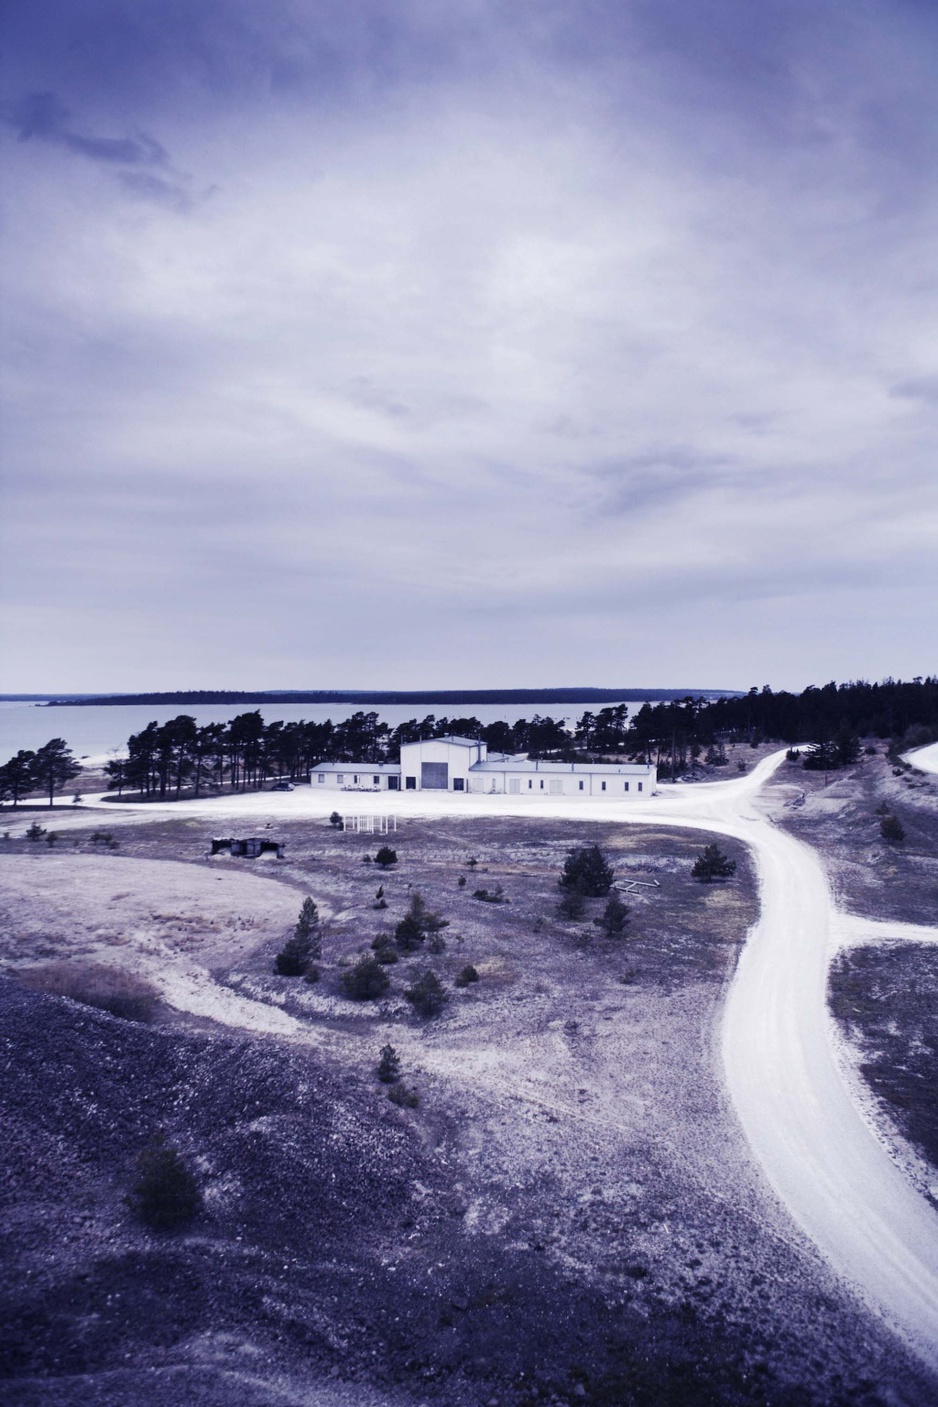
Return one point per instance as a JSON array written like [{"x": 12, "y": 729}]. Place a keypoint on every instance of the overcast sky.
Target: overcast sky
[{"x": 399, "y": 343}]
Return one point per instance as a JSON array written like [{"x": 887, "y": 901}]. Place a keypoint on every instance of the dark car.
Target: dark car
[{"x": 282, "y": 786}]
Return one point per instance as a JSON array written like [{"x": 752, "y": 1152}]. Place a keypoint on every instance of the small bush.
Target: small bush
[
  {"x": 389, "y": 1066},
  {"x": 403, "y": 1097},
  {"x": 615, "y": 917},
  {"x": 51, "y": 837},
  {"x": 366, "y": 981},
  {"x": 93, "y": 984},
  {"x": 427, "y": 996},
  {"x": 436, "y": 943},
  {"x": 461, "y": 882},
  {"x": 586, "y": 872},
  {"x": 713, "y": 864},
  {"x": 792, "y": 755},
  {"x": 572, "y": 906},
  {"x": 386, "y": 857},
  {"x": 490, "y": 896},
  {"x": 417, "y": 924},
  {"x": 467, "y": 975},
  {"x": 335, "y": 820},
  {"x": 35, "y": 831},
  {"x": 892, "y": 829},
  {"x": 166, "y": 1193}
]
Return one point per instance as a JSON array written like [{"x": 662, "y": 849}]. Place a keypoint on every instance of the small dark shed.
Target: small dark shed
[{"x": 250, "y": 848}]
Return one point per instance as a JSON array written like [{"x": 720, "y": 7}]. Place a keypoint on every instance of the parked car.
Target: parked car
[{"x": 282, "y": 786}]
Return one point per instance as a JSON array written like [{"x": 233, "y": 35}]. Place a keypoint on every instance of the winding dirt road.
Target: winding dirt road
[{"x": 836, "y": 1179}]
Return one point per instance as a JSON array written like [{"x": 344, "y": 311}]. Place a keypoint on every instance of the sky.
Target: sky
[{"x": 358, "y": 344}]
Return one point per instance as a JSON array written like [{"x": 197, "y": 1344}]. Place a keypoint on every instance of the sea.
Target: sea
[{"x": 96, "y": 732}]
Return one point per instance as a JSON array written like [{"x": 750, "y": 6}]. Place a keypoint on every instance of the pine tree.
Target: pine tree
[
  {"x": 615, "y": 916},
  {"x": 428, "y": 995},
  {"x": 586, "y": 872},
  {"x": 366, "y": 980},
  {"x": 166, "y": 1193},
  {"x": 713, "y": 864},
  {"x": 389, "y": 1066}
]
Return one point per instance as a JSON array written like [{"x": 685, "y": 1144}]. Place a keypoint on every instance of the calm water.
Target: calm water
[{"x": 96, "y": 731}]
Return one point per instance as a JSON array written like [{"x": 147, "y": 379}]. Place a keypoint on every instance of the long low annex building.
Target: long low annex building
[{"x": 464, "y": 764}]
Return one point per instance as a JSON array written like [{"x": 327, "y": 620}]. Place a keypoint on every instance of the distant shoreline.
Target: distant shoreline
[{"x": 388, "y": 697}]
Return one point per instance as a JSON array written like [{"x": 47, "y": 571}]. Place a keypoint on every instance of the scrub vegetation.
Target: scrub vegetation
[{"x": 501, "y": 1170}]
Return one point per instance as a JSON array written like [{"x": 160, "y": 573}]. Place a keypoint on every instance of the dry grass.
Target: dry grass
[{"x": 93, "y": 984}]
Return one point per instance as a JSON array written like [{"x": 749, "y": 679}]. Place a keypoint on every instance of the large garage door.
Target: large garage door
[{"x": 434, "y": 776}]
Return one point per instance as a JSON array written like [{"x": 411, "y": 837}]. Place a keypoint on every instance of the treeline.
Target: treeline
[
  {"x": 247, "y": 752},
  {"x": 164, "y": 759},
  {"x": 433, "y": 698}
]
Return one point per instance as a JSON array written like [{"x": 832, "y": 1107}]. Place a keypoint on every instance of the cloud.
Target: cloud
[
  {"x": 43, "y": 117},
  {"x": 917, "y": 388},
  {"x": 516, "y": 341}
]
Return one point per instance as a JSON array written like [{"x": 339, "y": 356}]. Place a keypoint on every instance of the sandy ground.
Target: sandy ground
[
  {"x": 924, "y": 758},
  {"x": 780, "y": 1054}
]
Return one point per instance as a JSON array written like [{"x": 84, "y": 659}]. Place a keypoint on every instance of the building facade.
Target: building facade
[{"x": 464, "y": 765}]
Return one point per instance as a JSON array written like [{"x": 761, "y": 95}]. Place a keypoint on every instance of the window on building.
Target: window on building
[
  {"x": 542, "y": 784},
  {"x": 355, "y": 779},
  {"x": 322, "y": 776},
  {"x": 410, "y": 783},
  {"x": 604, "y": 786},
  {"x": 376, "y": 781},
  {"x": 581, "y": 786},
  {"x": 459, "y": 784},
  {"x": 340, "y": 777},
  {"x": 530, "y": 784},
  {"x": 639, "y": 786},
  {"x": 626, "y": 786}
]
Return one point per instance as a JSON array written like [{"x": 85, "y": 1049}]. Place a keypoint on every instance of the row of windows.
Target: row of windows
[{"x": 514, "y": 783}]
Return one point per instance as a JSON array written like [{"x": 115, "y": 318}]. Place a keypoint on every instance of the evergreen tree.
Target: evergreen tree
[
  {"x": 615, "y": 916},
  {"x": 54, "y": 766},
  {"x": 427, "y": 995},
  {"x": 586, "y": 872},
  {"x": 166, "y": 1193},
  {"x": 389, "y": 1066},
  {"x": 366, "y": 980},
  {"x": 17, "y": 776},
  {"x": 892, "y": 829},
  {"x": 307, "y": 928},
  {"x": 386, "y": 857},
  {"x": 713, "y": 864}
]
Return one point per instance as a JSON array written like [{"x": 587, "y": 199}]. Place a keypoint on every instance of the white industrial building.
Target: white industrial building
[{"x": 464, "y": 764}]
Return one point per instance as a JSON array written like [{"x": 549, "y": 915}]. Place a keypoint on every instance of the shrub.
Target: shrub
[
  {"x": 467, "y": 975},
  {"x": 335, "y": 820},
  {"x": 306, "y": 943},
  {"x": 892, "y": 829},
  {"x": 572, "y": 906},
  {"x": 792, "y": 755},
  {"x": 51, "y": 838},
  {"x": 366, "y": 980},
  {"x": 403, "y": 1097},
  {"x": 386, "y": 857},
  {"x": 615, "y": 916},
  {"x": 417, "y": 924},
  {"x": 166, "y": 1193},
  {"x": 586, "y": 872},
  {"x": 94, "y": 984},
  {"x": 490, "y": 896},
  {"x": 428, "y": 995},
  {"x": 461, "y": 882},
  {"x": 389, "y": 1066},
  {"x": 436, "y": 943},
  {"x": 384, "y": 950},
  {"x": 713, "y": 864},
  {"x": 380, "y": 901},
  {"x": 35, "y": 831}
]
